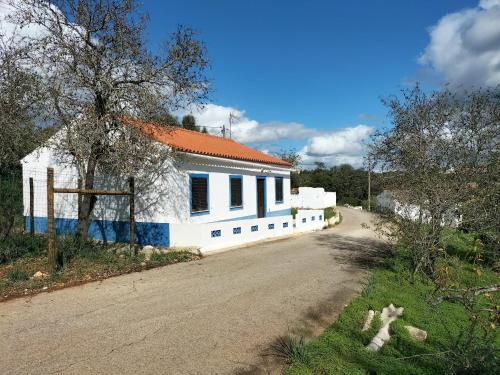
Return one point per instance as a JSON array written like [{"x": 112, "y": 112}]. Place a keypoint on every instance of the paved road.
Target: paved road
[{"x": 218, "y": 315}]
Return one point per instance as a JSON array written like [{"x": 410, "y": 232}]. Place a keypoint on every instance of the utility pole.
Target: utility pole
[{"x": 223, "y": 131}]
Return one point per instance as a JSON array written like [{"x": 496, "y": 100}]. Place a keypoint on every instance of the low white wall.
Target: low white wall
[
  {"x": 211, "y": 236},
  {"x": 306, "y": 220},
  {"x": 313, "y": 198}
]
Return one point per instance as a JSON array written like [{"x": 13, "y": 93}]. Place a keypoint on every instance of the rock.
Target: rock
[
  {"x": 143, "y": 264},
  {"x": 121, "y": 256},
  {"x": 416, "y": 334},
  {"x": 368, "y": 320},
  {"x": 388, "y": 315},
  {"x": 45, "y": 288},
  {"x": 147, "y": 251},
  {"x": 39, "y": 275}
]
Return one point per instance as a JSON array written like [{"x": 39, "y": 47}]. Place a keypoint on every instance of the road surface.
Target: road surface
[{"x": 218, "y": 315}]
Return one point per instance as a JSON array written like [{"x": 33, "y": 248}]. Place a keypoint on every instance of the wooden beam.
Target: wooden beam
[
  {"x": 32, "y": 208},
  {"x": 131, "y": 184},
  {"x": 51, "y": 252},
  {"x": 90, "y": 191}
]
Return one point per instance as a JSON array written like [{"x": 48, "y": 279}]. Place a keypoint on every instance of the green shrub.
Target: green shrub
[
  {"x": 291, "y": 348},
  {"x": 68, "y": 247},
  {"x": 18, "y": 275},
  {"x": 329, "y": 212},
  {"x": 466, "y": 246},
  {"x": 294, "y": 212},
  {"x": 170, "y": 257},
  {"x": 11, "y": 203},
  {"x": 21, "y": 244}
]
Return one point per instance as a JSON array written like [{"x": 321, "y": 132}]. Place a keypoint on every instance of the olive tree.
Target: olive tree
[{"x": 93, "y": 59}]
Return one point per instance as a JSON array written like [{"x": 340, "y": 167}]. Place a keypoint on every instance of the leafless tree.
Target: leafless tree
[{"x": 94, "y": 61}]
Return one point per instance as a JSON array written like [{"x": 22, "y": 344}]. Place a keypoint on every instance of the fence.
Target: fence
[{"x": 40, "y": 203}]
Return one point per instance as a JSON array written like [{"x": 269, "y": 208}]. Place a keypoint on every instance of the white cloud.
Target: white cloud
[
  {"x": 246, "y": 130},
  {"x": 343, "y": 146},
  {"x": 465, "y": 46}
]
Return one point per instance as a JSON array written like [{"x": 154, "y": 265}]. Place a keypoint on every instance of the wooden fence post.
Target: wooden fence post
[
  {"x": 51, "y": 253},
  {"x": 131, "y": 184},
  {"x": 32, "y": 208},
  {"x": 80, "y": 185}
]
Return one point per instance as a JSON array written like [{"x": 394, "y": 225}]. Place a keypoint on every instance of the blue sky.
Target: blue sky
[{"x": 310, "y": 74}]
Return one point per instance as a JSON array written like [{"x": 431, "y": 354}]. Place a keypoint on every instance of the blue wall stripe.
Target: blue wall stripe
[{"x": 146, "y": 233}]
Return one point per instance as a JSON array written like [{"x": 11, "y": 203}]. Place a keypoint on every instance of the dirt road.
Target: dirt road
[{"x": 213, "y": 316}]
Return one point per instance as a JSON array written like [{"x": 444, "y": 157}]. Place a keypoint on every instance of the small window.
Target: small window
[
  {"x": 278, "y": 182},
  {"x": 199, "y": 194},
  {"x": 236, "y": 191}
]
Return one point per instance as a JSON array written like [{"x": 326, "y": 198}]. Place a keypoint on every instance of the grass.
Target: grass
[
  {"x": 341, "y": 348},
  {"x": 79, "y": 263}
]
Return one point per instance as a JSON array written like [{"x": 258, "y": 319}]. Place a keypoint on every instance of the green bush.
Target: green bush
[
  {"x": 329, "y": 212},
  {"x": 170, "y": 257},
  {"x": 294, "y": 212},
  {"x": 68, "y": 247},
  {"x": 18, "y": 275},
  {"x": 11, "y": 203},
  {"x": 21, "y": 244},
  {"x": 466, "y": 246}
]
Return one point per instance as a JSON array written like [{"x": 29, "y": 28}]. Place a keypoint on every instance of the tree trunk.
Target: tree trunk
[{"x": 88, "y": 202}]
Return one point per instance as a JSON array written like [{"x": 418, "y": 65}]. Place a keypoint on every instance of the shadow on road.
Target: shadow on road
[{"x": 359, "y": 252}]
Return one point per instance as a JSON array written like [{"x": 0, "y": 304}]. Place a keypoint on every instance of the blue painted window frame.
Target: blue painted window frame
[
  {"x": 236, "y": 177},
  {"x": 276, "y": 179},
  {"x": 257, "y": 195},
  {"x": 198, "y": 175}
]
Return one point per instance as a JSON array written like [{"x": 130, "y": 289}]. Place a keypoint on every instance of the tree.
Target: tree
[
  {"x": 440, "y": 161},
  {"x": 291, "y": 156},
  {"x": 20, "y": 109},
  {"x": 204, "y": 130},
  {"x": 93, "y": 60},
  {"x": 189, "y": 123}
]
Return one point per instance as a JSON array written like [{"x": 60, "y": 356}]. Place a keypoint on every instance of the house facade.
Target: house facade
[{"x": 215, "y": 193}]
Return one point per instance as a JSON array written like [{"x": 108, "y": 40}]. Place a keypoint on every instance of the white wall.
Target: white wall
[
  {"x": 307, "y": 220},
  {"x": 163, "y": 197},
  {"x": 313, "y": 198},
  {"x": 207, "y": 237}
]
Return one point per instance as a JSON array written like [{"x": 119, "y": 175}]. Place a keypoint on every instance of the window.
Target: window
[
  {"x": 199, "y": 193},
  {"x": 278, "y": 183},
  {"x": 236, "y": 191}
]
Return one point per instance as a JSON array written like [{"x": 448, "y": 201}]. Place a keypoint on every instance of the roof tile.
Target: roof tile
[{"x": 205, "y": 144}]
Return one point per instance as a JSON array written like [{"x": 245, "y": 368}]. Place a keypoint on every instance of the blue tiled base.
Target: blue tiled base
[{"x": 157, "y": 234}]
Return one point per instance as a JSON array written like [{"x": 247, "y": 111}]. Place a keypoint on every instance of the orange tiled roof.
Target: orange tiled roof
[{"x": 205, "y": 144}]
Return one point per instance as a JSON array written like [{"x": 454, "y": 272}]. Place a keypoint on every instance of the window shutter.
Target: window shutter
[
  {"x": 199, "y": 194},
  {"x": 236, "y": 192},
  {"x": 278, "y": 189}
]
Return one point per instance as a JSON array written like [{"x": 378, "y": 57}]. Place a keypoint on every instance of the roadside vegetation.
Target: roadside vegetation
[
  {"x": 458, "y": 341},
  {"x": 24, "y": 269},
  {"x": 440, "y": 161}
]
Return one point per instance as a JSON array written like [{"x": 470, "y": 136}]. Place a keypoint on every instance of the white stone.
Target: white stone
[
  {"x": 39, "y": 275},
  {"x": 416, "y": 334},
  {"x": 389, "y": 314}
]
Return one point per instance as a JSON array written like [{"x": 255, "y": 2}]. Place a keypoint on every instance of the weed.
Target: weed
[
  {"x": 18, "y": 275},
  {"x": 290, "y": 348}
]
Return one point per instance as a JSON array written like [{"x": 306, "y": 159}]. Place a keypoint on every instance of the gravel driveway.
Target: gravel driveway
[{"x": 218, "y": 315}]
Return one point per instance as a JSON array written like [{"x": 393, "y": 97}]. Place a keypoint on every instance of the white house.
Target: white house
[{"x": 216, "y": 193}]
